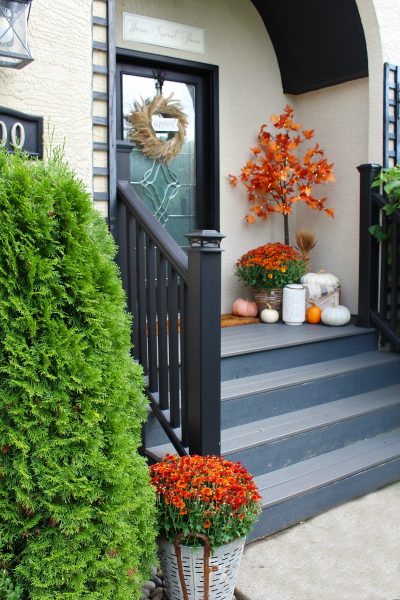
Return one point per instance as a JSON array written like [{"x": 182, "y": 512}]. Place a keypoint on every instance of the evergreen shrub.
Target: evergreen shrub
[{"x": 76, "y": 505}]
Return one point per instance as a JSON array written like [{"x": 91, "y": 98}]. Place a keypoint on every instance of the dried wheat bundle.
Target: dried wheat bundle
[
  {"x": 305, "y": 242},
  {"x": 143, "y": 134}
]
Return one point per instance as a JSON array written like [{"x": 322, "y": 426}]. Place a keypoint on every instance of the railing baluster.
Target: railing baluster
[
  {"x": 131, "y": 286},
  {"x": 122, "y": 255},
  {"x": 394, "y": 276},
  {"x": 184, "y": 345},
  {"x": 141, "y": 295},
  {"x": 151, "y": 289},
  {"x": 383, "y": 288},
  {"x": 162, "y": 331},
  {"x": 173, "y": 314}
]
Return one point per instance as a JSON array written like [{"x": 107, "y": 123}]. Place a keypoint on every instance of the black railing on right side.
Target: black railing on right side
[
  {"x": 379, "y": 262},
  {"x": 175, "y": 300}
]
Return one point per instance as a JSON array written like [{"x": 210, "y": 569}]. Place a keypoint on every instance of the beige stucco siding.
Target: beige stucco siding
[
  {"x": 250, "y": 90},
  {"x": 58, "y": 84},
  {"x": 340, "y": 116}
]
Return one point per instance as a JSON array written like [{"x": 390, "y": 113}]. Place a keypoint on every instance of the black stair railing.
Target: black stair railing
[
  {"x": 379, "y": 267},
  {"x": 175, "y": 301}
]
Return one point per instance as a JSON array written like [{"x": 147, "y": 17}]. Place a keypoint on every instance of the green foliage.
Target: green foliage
[
  {"x": 7, "y": 589},
  {"x": 256, "y": 276},
  {"x": 389, "y": 181},
  {"x": 76, "y": 506},
  {"x": 272, "y": 265}
]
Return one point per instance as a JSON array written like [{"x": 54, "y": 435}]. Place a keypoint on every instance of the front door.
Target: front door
[{"x": 168, "y": 111}]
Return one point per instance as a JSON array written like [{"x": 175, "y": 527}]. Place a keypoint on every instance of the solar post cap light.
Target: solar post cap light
[{"x": 14, "y": 49}]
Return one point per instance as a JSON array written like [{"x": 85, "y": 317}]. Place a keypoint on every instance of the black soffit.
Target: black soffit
[{"x": 318, "y": 43}]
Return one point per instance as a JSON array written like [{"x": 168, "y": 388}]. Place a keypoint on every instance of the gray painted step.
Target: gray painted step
[
  {"x": 270, "y": 444},
  {"x": 305, "y": 489},
  {"x": 254, "y": 349},
  {"x": 269, "y": 394}
]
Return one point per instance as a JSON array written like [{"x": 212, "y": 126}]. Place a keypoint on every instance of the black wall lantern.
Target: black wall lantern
[{"x": 14, "y": 49}]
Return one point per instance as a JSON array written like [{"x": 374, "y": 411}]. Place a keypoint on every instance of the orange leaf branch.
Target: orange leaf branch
[{"x": 276, "y": 178}]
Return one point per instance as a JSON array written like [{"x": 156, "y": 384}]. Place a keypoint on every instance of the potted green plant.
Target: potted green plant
[
  {"x": 202, "y": 500},
  {"x": 277, "y": 176},
  {"x": 267, "y": 269}
]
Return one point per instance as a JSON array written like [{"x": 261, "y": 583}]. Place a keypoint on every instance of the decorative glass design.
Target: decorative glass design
[{"x": 167, "y": 189}]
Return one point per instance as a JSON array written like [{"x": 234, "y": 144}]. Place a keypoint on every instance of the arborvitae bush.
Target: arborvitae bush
[{"x": 76, "y": 506}]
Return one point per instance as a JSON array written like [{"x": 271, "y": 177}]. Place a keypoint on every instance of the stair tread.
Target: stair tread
[
  {"x": 282, "y": 426},
  {"x": 252, "y": 384},
  {"x": 300, "y": 478},
  {"x": 296, "y": 422},
  {"x": 258, "y": 337}
]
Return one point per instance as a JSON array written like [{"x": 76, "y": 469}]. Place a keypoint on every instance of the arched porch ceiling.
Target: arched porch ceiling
[{"x": 317, "y": 43}]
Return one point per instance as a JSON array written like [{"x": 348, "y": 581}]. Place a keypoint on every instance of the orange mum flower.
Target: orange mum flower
[{"x": 202, "y": 494}]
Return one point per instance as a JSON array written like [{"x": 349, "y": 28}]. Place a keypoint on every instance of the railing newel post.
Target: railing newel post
[
  {"x": 368, "y": 247},
  {"x": 203, "y": 407}
]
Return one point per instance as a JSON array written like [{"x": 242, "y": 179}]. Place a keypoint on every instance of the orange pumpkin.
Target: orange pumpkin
[
  {"x": 314, "y": 314},
  {"x": 244, "y": 308}
]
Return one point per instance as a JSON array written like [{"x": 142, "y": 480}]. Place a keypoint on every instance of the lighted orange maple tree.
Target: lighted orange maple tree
[{"x": 276, "y": 177}]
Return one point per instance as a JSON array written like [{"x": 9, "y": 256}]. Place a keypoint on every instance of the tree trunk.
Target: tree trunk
[{"x": 286, "y": 228}]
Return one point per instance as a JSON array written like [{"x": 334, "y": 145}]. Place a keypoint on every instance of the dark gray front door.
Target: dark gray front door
[{"x": 183, "y": 192}]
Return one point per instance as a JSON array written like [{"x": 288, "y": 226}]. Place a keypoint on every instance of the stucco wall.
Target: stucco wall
[
  {"x": 372, "y": 33},
  {"x": 340, "y": 117},
  {"x": 57, "y": 85},
  {"x": 250, "y": 90},
  {"x": 347, "y": 119}
]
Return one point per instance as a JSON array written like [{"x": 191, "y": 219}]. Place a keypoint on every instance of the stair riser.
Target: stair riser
[
  {"x": 304, "y": 506},
  {"x": 238, "y": 411},
  {"x": 241, "y": 410},
  {"x": 254, "y": 363},
  {"x": 154, "y": 433},
  {"x": 287, "y": 451}
]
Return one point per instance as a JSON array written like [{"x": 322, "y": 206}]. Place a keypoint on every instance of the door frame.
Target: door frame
[{"x": 207, "y": 124}]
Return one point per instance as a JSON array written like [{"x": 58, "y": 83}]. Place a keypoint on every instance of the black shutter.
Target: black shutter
[{"x": 391, "y": 116}]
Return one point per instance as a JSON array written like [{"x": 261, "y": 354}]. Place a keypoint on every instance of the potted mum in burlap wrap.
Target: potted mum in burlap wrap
[
  {"x": 267, "y": 269},
  {"x": 206, "y": 506}
]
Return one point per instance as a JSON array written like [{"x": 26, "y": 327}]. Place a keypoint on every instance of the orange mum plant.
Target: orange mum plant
[
  {"x": 276, "y": 178},
  {"x": 204, "y": 494},
  {"x": 273, "y": 265}
]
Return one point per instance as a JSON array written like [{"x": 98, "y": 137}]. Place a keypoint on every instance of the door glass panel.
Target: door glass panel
[{"x": 167, "y": 189}]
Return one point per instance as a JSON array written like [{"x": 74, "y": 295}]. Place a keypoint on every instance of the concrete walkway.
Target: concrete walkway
[{"x": 351, "y": 552}]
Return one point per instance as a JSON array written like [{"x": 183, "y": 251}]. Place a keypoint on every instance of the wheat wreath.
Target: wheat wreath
[{"x": 143, "y": 134}]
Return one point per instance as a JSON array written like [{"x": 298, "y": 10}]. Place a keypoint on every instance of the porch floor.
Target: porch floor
[{"x": 244, "y": 339}]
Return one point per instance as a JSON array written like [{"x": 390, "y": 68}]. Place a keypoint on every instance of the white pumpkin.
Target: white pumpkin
[
  {"x": 335, "y": 315},
  {"x": 269, "y": 315},
  {"x": 320, "y": 278}
]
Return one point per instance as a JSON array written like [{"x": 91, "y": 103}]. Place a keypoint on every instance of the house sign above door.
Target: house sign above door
[
  {"x": 137, "y": 28},
  {"x": 21, "y": 131}
]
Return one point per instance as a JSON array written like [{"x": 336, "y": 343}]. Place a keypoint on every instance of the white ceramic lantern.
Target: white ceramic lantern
[{"x": 294, "y": 304}]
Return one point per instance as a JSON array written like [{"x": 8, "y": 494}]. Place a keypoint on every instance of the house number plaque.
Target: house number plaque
[{"x": 21, "y": 131}]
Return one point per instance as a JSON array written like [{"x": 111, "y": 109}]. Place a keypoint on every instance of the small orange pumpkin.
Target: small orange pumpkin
[
  {"x": 314, "y": 314},
  {"x": 244, "y": 308}
]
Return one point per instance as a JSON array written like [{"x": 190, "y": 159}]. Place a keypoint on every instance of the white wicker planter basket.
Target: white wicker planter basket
[{"x": 223, "y": 569}]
